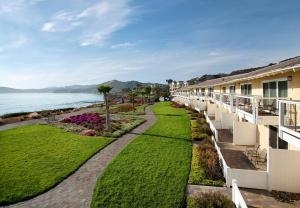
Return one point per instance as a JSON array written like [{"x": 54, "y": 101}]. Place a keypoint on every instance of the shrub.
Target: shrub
[
  {"x": 210, "y": 200},
  {"x": 209, "y": 161},
  {"x": 88, "y": 120},
  {"x": 125, "y": 107},
  {"x": 199, "y": 136},
  {"x": 177, "y": 105},
  {"x": 88, "y": 132},
  {"x": 204, "y": 128},
  {"x": 194, "y": 124},
  {"x": 201, "y": 120}
]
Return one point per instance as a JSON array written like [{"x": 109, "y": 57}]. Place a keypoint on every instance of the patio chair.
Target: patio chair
[
  {"x": 272, "y": 106},
  {"x": 261, "y": 158},
  {"x": 250, "y": 151}
]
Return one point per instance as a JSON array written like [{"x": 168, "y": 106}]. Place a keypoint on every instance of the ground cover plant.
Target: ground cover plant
[
  {"x": 91, "y": 124},
  {"x": 210, "y": 200},
  {"x": 205, "y": 167},
  {"x": 35, "y": 158},
  {"x": 153, "y": 169},
  {"x": 88, "y": 120}
]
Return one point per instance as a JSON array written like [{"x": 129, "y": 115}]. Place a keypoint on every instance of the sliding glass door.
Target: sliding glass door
[{"x": 272, "y": 91}]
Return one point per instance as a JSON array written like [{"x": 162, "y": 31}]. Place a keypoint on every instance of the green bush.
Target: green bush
[
  {"x": 194, "y": 124},
  {"x": 201, "y": 120},
  {"x": 199, "y": 136},
  {"x": 210, "y": 200},
  {"x": 204, "y": 128},
  {"x": 209, "y": 160}
]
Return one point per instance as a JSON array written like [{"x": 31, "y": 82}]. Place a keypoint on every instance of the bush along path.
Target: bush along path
[
  {"x": 152, "y": 171},
  {"x": 77, "y": 189}
]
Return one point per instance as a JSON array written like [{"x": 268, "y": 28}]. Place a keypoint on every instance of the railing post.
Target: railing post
[
  {"x": 295, "y": 117},
  {"x": 234, "y": 183}
]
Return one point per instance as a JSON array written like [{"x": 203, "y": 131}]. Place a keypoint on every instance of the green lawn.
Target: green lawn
[
  {"x": 35, "y": 158},
  {"x": 152, "y": 171}
]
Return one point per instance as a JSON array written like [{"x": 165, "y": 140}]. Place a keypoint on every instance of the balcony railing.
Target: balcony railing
[
  {"x": 290, "y": 114},
  {"x": 289, "y": 121},
  {"x": 268, "y": 106}
]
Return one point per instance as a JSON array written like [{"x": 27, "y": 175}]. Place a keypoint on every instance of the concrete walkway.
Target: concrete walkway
[
  {"x": 44, "y": 120},
  {"x": 76, "y": 191}
]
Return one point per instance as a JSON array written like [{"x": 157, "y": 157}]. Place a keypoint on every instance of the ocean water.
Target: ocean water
[{"x": 30, "y": 102}]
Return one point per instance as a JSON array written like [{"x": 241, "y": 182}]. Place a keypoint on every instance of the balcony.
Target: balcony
[{"x": 289, "y": 121}]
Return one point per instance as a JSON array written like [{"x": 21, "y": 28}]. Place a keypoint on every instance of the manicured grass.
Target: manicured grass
[
  {"x": 152, "y": 171},
  {"x": 35, "y": 158}
]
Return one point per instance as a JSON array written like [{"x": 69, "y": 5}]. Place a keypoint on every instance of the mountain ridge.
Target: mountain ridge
[{"x": 117, "y": 86}]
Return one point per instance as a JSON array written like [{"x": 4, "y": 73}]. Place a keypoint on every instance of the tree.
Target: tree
[
  {"x": 157, "y": 93},
  {"x": 105, "y": 89},
  {"x": 124, "y": 93},
  {"x": 148, "y": 92},
  {"x": 133, "y": 93},
  {"x": 169, "y": 81}
]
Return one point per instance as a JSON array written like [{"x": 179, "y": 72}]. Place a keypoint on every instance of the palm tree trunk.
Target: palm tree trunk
[{"x": 107, "y": 112}]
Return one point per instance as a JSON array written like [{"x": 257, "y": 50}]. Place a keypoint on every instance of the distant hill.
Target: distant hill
[
  {"x": 117, "y": 86},
  {"x": 205, "y": 77}
]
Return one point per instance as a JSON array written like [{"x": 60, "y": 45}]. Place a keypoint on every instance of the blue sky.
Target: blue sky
[{"x": 56, "y": 43}]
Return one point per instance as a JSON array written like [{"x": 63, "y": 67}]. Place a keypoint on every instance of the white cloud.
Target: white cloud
[
  {"x": 122, "y": 45},
  {"x": 15, "y": 6},
  {"x": 14, "y": 44},
  {"x": 49, "y": 27},
  {"x": 214, "y": 53},
  {"x": 98, "y": 21}
]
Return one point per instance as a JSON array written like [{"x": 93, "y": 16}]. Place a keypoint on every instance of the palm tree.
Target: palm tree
[
  {"x": 105, "y": 89},
  {"x": 143, "y": 94},
  {"x": 133, "y": 94},
  {"x": 148, "y": 92}
]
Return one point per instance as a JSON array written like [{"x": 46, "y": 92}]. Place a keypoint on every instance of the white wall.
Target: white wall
[
  {"x": 250, "y": 178},
  {"x": 227, "y": 120},
  {"x": 211, "y": 109},
  {"x": 263, "y": 136},
  {"x": 284, "y": 170},
  {"x": 244, "y": 133}
]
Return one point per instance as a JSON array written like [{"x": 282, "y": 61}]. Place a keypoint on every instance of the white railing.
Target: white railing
[
  {"x": 237, "y": 197},
  {"x": 289, "y": 121},
  {"x": 224, "y": 166},
  {"x": 246, "y": 107}
]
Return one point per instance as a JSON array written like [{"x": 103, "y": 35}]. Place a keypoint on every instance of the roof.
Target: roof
[{"x": 286, "y": 64}]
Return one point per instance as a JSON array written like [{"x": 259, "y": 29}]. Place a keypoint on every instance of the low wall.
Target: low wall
[
  {"x": 284, "y": 167},
  {"x": 244, "y": 133},
  {"x": 263, "y": 136},
  {"x": 227, "y": 120},
  {"x": 211, "y": 109},
  {"x": 250, "y": 178},
  {"x": 237, "y": 197}
]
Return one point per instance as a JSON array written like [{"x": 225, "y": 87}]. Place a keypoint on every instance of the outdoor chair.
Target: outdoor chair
[
  {"x": 250, "y": 151},
  {"x": 261, "y": 158}
]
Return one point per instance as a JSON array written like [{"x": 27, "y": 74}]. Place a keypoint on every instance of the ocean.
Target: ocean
[{"x": 30, "y": 102}]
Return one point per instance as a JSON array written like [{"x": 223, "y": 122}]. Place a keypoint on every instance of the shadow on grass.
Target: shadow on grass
[
  {"x": 161, "y": 136},
  {"x": 160, "y": 114}
]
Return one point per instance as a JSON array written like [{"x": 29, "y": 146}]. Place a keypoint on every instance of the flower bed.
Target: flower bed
[
  {"x": 88, "y": 120},
  {"x": 205, "y": 167},
  {"x": 210, "y": 199}
]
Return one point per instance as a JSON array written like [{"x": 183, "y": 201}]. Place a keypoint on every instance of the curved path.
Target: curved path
[{"x": 77, "y": 190}]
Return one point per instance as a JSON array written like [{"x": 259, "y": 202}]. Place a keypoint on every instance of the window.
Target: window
[
  {"x": 246, "y": 89},
  {"x": 282, "y": 89},
  {"x": 210, "y": 91},
  {"x": 232, "y": 89},
  {"x": 224, "y": 89}
]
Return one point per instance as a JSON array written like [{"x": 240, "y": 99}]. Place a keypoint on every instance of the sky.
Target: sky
[{"x": 47, "y": 43}]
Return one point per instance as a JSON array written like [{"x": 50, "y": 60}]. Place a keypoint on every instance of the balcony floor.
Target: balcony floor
[{"x": 233, "y": 154}]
